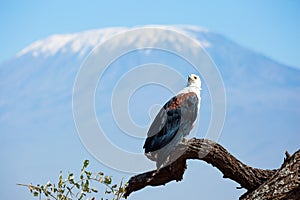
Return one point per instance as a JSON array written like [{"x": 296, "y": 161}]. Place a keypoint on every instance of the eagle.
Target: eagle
[{"x": 174, "y": 121}]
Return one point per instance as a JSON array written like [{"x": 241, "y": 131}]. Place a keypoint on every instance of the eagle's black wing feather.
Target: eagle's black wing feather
[
  {"x": 179, "y": 111},
  {"x": 164, "y": 127}
]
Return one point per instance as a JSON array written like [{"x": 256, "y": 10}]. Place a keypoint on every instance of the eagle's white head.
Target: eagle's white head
[{"x": 194, "y": 81}]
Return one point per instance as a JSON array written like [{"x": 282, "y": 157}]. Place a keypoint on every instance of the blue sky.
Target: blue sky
[{"x": 269, "y": 27}]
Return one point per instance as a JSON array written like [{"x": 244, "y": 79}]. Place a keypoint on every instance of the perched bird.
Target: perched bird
[{"x": 174, "y": 121}]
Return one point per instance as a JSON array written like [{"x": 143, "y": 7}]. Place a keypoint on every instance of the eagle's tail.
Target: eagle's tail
[{"x": 164, "y": 156}]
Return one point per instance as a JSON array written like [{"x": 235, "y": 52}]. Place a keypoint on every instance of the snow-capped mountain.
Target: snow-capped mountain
[
  {"x": 78, "y": 43},
  {"x": 36, "y": 120}
]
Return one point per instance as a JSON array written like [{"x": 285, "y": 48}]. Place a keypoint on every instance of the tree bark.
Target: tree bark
[{"x": 282, "y": 183}]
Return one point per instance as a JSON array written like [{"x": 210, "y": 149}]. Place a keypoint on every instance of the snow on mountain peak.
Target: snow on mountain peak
[
  {"x": 75, "y": 43},
  {"x": 82, "y": 42}
]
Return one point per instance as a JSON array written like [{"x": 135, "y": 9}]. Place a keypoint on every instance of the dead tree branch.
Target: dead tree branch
[{"x": 248, "y": 177}]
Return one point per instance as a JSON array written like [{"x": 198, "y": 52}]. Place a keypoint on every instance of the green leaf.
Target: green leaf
[
  {"x": 86, "y": 163},
  {"x": 71, "y": 178},
  {"x": 121, "y": 190},
  {"x": 94, "y": 190},
  {"x": 61, "y": 191},
  {"x": 107, "y": 192},
  {"x": 86, "y": 185},
  {"x": 88, "y": 174},
  {"x": 107, "y": 180},
  {"x": 60, "y": 182},
  {"x": 81, "y": 196},
  {"x": 48, "y": 184},
  {"x": 53, "y": 189},
  {"x": 35, "y": 194}
]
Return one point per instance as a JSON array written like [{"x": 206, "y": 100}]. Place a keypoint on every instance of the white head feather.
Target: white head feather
[
  {"x": 193, "y": 85},
  {"x": 194, "y": 81}
]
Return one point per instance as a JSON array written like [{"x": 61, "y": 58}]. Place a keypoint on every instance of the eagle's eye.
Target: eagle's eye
[{"x": 195, "y": 77}]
